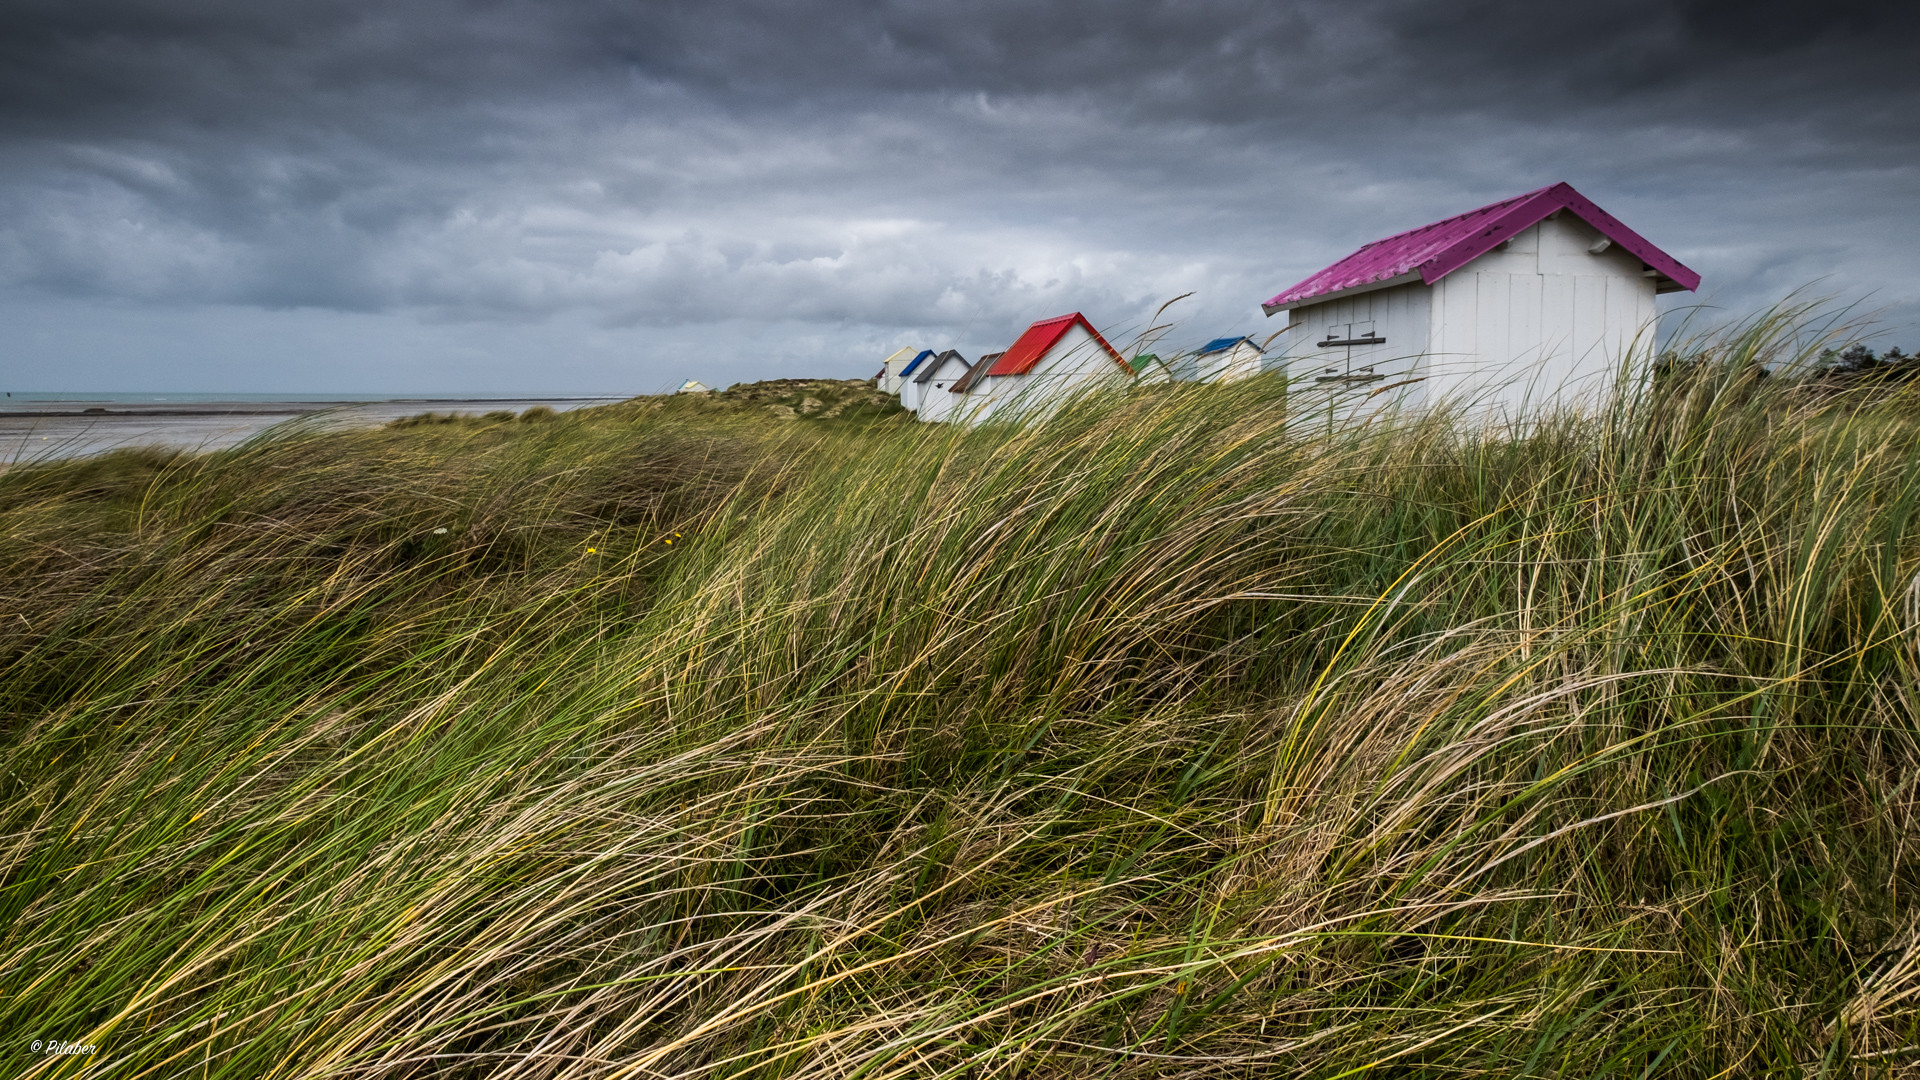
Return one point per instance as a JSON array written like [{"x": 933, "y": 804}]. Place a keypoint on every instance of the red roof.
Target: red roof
[
  {"x": 1434, "y": 251},
  {"x": 1043, "y": 335}
]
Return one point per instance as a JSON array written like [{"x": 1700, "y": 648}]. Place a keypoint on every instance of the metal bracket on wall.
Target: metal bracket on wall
[{"x": 1370, "y": 339}]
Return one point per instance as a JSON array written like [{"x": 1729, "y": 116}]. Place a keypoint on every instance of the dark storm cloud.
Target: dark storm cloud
[
  {"x": 226, "y": 63},
  {"x": 916, "y": 165}
]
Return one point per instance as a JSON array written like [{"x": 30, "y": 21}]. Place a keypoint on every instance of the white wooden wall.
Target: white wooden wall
[
  {"x": 1543, "y": 323},
  {"x": 1331, "y": 383}
]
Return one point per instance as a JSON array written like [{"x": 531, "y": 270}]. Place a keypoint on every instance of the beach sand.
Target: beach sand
[{"x": 50, "y": 430}]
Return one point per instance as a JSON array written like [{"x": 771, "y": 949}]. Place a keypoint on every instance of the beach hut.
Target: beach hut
[
  {"x": 1520, "y": 304},
  {"x": 893, "y": 369},
  {"x": 694, "y": 386},
  {"x": 1227, "y": 359},
  {"x": 1055, "y": 358},
  {"x": 1150, "y": 370},
  {"x": 933, "y": 381},
  {"x": 909, "y": 389}
]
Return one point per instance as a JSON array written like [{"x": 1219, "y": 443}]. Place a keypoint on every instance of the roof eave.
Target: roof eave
[{"x": 1275, "y": 306}]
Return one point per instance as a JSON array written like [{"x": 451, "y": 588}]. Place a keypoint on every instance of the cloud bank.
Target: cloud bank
[{"x": 776, "y": 186}]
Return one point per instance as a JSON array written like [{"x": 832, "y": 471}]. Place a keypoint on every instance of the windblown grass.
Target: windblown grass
[{"x": 1158, "y": 739}]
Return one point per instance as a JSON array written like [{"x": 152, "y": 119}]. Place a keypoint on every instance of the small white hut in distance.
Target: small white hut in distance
[
  {"x": 1053, "y": 360},
  {"x": 1227, "y": 359},
  {"x": 933, "y": 382},
  {"x": 893, "y": 369},
  {"x": 1521, "y": 304}
]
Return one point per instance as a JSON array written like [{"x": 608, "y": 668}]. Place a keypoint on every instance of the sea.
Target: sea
[{"x": 44, "y": 426}]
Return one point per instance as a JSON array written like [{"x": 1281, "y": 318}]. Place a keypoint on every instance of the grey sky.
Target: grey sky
[{"x": 436, "y": 196}]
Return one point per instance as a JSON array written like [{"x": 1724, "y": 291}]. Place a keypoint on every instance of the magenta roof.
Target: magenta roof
[{"x": 1434, "y": 251}]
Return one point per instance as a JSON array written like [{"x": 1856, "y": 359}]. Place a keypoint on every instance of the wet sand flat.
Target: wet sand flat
[{"x": 53, "y": 430}]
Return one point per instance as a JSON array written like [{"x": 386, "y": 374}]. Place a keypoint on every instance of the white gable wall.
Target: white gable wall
[
  {"x": 936, "y": 400},
  {"x": 1540, "y": 324},
  {"x": 890, "y": 370}
]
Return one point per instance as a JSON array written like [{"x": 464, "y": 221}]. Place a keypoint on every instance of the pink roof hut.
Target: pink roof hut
[{"x": 1522, "y": 303}]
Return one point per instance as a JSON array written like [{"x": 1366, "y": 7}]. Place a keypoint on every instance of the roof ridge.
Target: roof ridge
[{"x": 1499, "y": 204}]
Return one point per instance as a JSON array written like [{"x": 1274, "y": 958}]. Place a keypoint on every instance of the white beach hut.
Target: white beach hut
[
  {"x": 1524, "y": 303},
  {"x": 1054, "y": 359},
  {"x": 893, "y": 368},
  {"x": 1227, "y": 359},
  {"x": 933, "y": 383},
  {"x": 910, "y": 388}
]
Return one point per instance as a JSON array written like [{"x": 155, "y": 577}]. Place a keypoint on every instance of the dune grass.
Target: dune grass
[{"x": 1159, "y": 739}]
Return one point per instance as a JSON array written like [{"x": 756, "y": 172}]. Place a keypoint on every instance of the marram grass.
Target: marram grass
[{"x": 1159, "y": 739}]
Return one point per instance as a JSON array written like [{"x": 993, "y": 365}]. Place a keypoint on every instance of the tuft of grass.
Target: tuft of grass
[{"x": 1161, "y": 737}]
